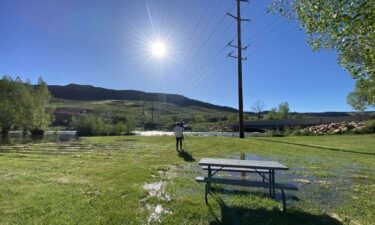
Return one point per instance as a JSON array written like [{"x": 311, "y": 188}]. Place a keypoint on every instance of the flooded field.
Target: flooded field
[
  {"x": 199, "y": 134},
  {"x": 16, "y": 137},
  {"x": 143, "y": 180}
]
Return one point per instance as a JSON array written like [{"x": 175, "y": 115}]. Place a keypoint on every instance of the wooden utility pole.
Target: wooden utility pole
[{"x": 239, "y": 57}]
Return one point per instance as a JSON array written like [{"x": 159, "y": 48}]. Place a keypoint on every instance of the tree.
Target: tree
[
  {"x": 273, "y": 114},
  {"x": 347, "y": 27},
  {"x": 26, "y": 117},
  {"x": 11, "y": 95},
  {"x": 41, "y": 96},
  {"x": 23, "y": 105},
  {"x": 283, "y": 110},
  {"x": 258, "y": 107}
]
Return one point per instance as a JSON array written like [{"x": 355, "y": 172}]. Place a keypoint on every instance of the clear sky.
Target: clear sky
[{"x": 107, "y": 44}]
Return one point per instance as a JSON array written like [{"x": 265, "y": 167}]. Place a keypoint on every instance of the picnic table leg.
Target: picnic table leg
[
  {"x": 263, "y": 176},
  {"x": 208, "y": 187},
  {"x": 273, "y": 184},
  {"x": 206, "y": 194},
  {"x": 270, "y": 181},
  {"x": 284, "y": 201}
]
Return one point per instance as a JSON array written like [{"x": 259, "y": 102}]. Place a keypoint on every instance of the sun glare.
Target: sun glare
[{"x": 158, "y": 49}]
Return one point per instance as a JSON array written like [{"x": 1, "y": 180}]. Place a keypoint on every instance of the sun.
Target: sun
[{"x": 159, "y": 49}]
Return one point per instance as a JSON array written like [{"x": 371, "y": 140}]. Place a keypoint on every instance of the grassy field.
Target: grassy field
[{"x": 143, "y": 180}]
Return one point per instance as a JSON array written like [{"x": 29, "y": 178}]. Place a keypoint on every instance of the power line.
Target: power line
[
  {"x": 195, "y": 55},
  {"x": 200, "y": 20},
  {"x": 273, "y": 40},
  {"x": 261, "y": 13},
  {"x": 209, "y": 38},
  {"x": 201, "y": 74},
  {"x": 219, "y": 36},
  {"x": 212, "y": 60},
  {"x": 196, "y": 28},
  {"x": 264, "y": 32},
  {"x": 205, "y": 27}
]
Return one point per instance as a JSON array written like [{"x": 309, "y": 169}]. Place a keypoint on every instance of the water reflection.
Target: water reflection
[{"x": 16, "y": 137}]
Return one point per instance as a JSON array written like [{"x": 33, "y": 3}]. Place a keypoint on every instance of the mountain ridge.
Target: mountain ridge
[{"x": 92, "y": 93}]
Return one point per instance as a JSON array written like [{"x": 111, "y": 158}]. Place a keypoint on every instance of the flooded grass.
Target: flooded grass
[{"x": 143, "y": 180}]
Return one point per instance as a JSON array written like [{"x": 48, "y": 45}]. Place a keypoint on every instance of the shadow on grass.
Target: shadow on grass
[
  {"x": 187, "y": 156},
  {"x": 237, "y": 215},
  {"x": 261, "y": 193},
  {"x": 318, "y": 147}
]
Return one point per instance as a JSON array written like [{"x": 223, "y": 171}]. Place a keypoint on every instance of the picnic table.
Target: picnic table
[{"x": 266, "y": 169}]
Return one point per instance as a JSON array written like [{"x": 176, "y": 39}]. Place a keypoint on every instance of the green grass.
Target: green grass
[{"x": 101, "y": 180}]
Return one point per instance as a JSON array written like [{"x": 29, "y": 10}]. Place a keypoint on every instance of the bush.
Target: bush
[
  {"x": 199, "y": 119},
  {"x": 369, "y": 128},
  {"x": 274, "y": 133},
  {"x": 89, "y": 125}
]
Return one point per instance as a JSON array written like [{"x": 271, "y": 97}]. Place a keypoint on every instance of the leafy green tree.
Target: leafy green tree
[
  {"x": 27, "y": 102},
  {"x": 283, "y": 110},
  {"x": 7, "y": 116},
  {"x": 273, "y": 114},
  {"x": 11, "y": 95},
  {"x": 41, "y": 96},
  {"x": 23, "y": 105},
  {"x": 347, "y": 27}
]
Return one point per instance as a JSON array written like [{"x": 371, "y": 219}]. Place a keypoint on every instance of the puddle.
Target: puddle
[
  {"x": 16, "y": 137},
  {"x": 156, "y": 211},
  {"x": 154, "y": 189},
  {"x": 157, "y": 190}
]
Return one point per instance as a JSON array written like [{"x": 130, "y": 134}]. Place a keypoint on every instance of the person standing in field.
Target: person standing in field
[{"x": 179, "y": 133}]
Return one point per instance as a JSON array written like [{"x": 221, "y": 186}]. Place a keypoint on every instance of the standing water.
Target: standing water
[{"x": 16, "y": 137}]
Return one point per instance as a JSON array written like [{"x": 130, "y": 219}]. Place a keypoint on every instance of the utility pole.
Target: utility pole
[{"x": 239, "y": 57}]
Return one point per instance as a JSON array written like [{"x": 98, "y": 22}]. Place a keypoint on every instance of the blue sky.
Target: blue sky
[{"x": 106, "y": 44}]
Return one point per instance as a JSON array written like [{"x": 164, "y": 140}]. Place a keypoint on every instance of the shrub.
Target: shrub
[
  {"x": 89, "y": 125},
  {"x": 274, "y": 133},
  {"x": 369, "y": 128}
]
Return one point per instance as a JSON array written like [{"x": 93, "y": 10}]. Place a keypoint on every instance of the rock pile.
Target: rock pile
[{"x": 335, "y": 128}]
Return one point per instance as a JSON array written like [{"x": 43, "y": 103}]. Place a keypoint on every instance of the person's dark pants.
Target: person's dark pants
[{"x": 179, "y": 140}]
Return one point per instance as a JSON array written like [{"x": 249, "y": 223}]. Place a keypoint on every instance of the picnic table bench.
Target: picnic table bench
[{"x": 263, "y": 168}]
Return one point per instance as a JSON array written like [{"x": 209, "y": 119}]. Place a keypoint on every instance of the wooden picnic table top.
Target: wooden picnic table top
[{"x": 254, "y": 164}]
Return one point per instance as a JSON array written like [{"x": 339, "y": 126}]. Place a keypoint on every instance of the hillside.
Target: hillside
[
  {"x": 91, "y": 93},
  {"x": 156, "y": 109}
]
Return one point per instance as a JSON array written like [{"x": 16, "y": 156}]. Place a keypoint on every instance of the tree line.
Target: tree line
[{"x": 23, "y": 106}]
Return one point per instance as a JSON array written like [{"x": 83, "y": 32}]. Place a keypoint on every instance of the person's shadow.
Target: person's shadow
[
  {"x": 238, "y": 215},
  {"x": 186, "y": 156}
]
